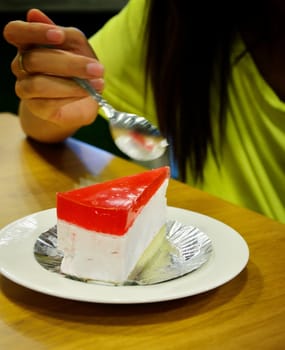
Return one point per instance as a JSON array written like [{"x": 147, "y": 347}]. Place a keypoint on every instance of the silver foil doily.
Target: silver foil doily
[{"x": 184, "y": 249}]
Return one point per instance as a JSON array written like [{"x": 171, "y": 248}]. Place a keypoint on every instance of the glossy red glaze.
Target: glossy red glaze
[{"x": 111, "y": 206}]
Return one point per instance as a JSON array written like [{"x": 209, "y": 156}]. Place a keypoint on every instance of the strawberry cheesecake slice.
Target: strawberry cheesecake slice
[{"x": 104, "y": 229}]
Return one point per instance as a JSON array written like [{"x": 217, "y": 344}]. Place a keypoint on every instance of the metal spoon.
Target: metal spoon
[{"x": 133, "y": 134}]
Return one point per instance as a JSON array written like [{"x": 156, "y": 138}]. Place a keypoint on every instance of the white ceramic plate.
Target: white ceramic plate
[{"x": 17, "y": 262}]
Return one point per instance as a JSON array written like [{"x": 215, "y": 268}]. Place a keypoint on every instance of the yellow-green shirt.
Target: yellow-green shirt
[{"x": 251, "y": 172}]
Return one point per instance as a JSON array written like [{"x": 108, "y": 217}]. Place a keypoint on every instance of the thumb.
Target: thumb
[{"x": 35, "y": 15}]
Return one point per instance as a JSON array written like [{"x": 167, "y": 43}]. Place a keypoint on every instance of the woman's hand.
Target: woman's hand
[{"x": 48, "y": 55}]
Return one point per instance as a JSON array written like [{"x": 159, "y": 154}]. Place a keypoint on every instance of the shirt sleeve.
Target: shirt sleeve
[{"x": 119, "y": 46}]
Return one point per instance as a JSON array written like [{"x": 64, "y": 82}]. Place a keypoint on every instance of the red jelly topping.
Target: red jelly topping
[{"x": 111, "y": 206}]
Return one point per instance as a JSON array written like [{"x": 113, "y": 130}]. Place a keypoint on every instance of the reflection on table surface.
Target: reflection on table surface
[{"x": 247, "y": 312}]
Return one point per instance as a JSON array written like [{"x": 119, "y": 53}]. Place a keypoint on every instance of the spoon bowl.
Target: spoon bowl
[{"x": 134, "y": 135}]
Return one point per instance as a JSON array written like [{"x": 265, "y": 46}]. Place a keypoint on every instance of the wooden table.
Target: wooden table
[{"x": 245, "y": 313}]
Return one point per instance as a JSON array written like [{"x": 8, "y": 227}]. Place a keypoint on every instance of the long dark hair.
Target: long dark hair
[{"x": 186, "y": 42}]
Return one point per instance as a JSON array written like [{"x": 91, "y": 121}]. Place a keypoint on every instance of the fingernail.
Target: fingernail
[
  {"x": 98, "y": 84},
  {"x": 94, "y": 69},
  {"x": 55, "y": 35}
]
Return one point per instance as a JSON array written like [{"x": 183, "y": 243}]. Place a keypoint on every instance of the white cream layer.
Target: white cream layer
[{"x": 105, "y": 257}]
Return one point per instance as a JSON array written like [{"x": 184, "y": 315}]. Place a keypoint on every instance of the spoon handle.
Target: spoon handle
[{"x": 89, "y": 88}]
